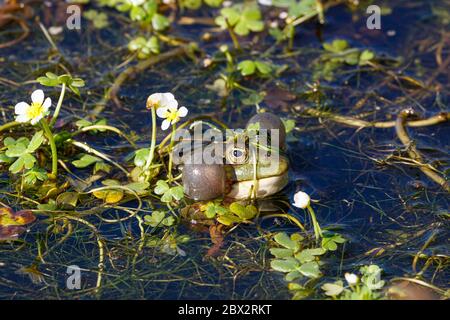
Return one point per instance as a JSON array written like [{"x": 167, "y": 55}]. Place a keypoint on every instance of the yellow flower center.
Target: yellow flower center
[
  {"x": 172, "y": 115},
  {"x": 35, "y": 110}
]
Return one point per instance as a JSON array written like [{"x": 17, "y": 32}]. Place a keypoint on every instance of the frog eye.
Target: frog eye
[{"x": 237, "y": 155}]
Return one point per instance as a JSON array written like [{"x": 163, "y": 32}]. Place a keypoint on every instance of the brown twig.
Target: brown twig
[
  {"x": 353, "y": 122},
  {"x": 402, "y": 134}
]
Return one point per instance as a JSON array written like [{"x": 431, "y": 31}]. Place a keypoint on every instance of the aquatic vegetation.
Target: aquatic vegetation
[
  {"x": 367, "y": 286},
  {"x": 299, "y": 260}
]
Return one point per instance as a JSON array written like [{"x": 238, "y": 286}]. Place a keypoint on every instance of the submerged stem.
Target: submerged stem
[
  {"x": 172, "y": 141},
  {"x": 152, "y": 145},
  {"x": 51, "y": 140},
  {"x": 58, "y": 106},
  {"x": 317, "y": 229}
]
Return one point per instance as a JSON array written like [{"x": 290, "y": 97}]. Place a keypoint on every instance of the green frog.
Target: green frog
[{"x": 236, "y": 178}]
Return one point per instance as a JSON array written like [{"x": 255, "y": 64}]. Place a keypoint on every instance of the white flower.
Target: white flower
[
  {"x": 351, "y": 278},
  {"x": 36, "y": 111},
  {"x": 166, "y": 108},
  {"x": 301, "y": 200},
  {"x": 265, "y": 2},
  {"x": 166, "y": 100}
]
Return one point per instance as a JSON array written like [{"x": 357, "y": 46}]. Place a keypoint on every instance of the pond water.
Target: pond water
[{"x": 362, "y": 182}]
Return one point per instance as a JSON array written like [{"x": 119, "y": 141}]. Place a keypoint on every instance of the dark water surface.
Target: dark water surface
[{"x": 381, "y": 205}]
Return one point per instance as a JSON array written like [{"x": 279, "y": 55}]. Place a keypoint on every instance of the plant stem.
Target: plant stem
[
  {"x": 172, "y": 141},
  {"x": 317, "y": 230},
  {"x": 9, "y": 125},
  {"x": 233, "y": 36},
  {"x": 49, "y": 135},
  {"x": 152, "y": 146},
  {"x": 58, "y": 106}
]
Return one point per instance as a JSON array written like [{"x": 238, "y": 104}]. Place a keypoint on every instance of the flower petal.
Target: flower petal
[
  {"x": 46, "y": 105},
  {"x": 169, "y": 101},
  {"x": 38, "y": 96},
  {"x": 165, "y": 124},
  {"x": 162, "y": 112},
  {"x": 21, "y": 108},
  {"x": 182, "y": 112},
  {"x": 22, "y": 118},
  {"x": 36, "y": 119}
]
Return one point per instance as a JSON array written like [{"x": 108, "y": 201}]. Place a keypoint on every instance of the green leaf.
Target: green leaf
[
  {"x": 35, "y": 142},
  {"x": 292, "y": 276},
  {"x": 78, "y": 83},
  {"x": 336, "y": 46},
  {"x": 32, "y": 176},
  {"x": 102, "y": 166},
  {"x": 214, "y": 3},
  {"x": 247, "y": 67},
  {"x": 17, "y": 166},
  {"x": 161, "y": 187},
  {"x": 28, "y": 160},
  {"x": 99, "y": 19},
  {"x": 155, "y": 218},
  {"x": 138, "y": 187},
  {"x": 160, "y": 22},
  {"x": 283, "y": 239},
  {"x": 191, "y": 4},
  {"x": 16, "y": 150},
  {"x": 141, "y": 157},
  {"x": 67, "y": 199},
  {"x": 333, "y": 289},
  {"x": 263, "y": 67},
  {"x": 289, "y": 124},
  {"x": 281, "y": 252},
  {"x": 228, "y": 219},
  {"x": 85, "y": 161},
  {"x": 177, "y": 192},
  {"x": 365, "y": 57},
  {"x": 310, "y": 269},
  {"x": 284, "y": 265}
]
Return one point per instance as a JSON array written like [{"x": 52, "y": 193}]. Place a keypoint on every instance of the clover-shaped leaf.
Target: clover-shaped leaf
[
  {"x": 330, "y": 241},
  {"x": 98, "y": 19},
  {"x": 168, "y": 193},
  {"x": 22, "y": 149},
  {"x": 284, "y": 240},
  {"x": 242, "y": 19},
  {"x": 144, "y": 48},
  {"x": 34, "y": 175},
  {"x": 158, "y": 219},
  {"x": 336, "y": 46},
  {"x": 213, "y": 208}
]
